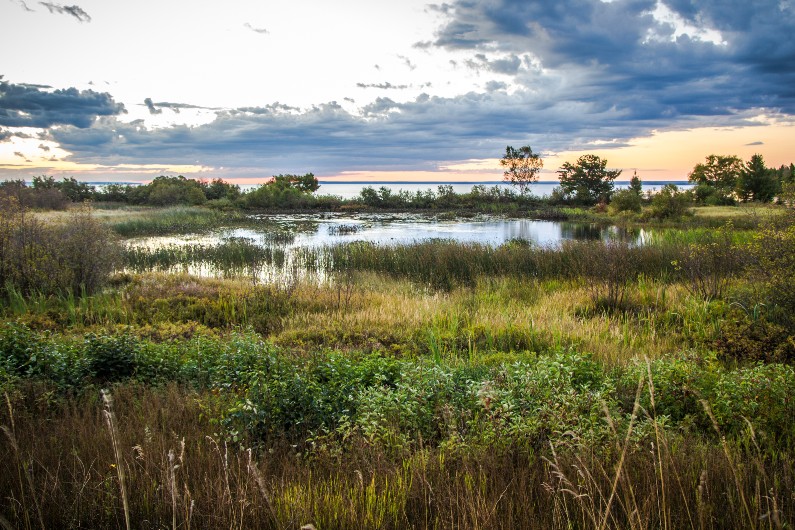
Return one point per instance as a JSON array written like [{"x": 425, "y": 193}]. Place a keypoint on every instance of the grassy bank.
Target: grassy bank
[{"x": 428, "y": 386}]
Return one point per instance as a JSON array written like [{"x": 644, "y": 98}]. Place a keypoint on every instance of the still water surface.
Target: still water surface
[{"x": 317, "y": 230}]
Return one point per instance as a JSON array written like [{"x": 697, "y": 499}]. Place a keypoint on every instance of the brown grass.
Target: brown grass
[{"x": 180, "y": 474}]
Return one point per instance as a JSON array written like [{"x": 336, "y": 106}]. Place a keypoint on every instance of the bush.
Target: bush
[
  {"x": 669, "y": 203},
  {"x": 773, "y": 266},
  {"x": 625, "y": 201},
  {"x": 709, "y": 265},
  {"x": 36, "y": 258},
  {"x": 757, "y": 340},
  {"x": 111, "y": 358}
]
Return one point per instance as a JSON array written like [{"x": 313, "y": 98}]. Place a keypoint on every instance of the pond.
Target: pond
[{"x": 275, "y": 242}]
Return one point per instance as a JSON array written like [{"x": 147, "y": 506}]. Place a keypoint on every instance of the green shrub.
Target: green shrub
[
  {"x": 669, "y": 203},
  {"x": 625, "y": 201},
  {"x": 755, "y": 340},
  {"x": 772, "y": 267},
  {"x": 111, "y": 358},
  {"x": 709, "y": 265}
]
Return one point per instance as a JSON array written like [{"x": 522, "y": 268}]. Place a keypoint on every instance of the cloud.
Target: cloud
[
  {"x": 151, "y": 107},
  {"x": 382, "y": 86},
  {"x": 702, "y": 60},
  {"x": 508, "y": 65},
  {"x": 25, "y": 6},
  {"x": 44, "y": 148},
  {"x": 411, "y": 66},
  {"x": 75, "y": 11},
  {"x": 261, "y": 31},
  {"x": 383, "y": 135},
  {"x": 491, "y": 86},
  {"x": 755, "y": 143},
  {"x": 32, "y": 106}
]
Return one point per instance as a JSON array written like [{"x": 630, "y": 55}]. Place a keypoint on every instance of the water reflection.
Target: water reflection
[{"x": 233, "y": 251}]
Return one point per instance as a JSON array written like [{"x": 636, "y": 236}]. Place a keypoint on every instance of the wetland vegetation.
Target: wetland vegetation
[{"x": 158, "y": 372}]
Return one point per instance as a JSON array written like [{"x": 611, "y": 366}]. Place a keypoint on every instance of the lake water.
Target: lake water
[
  {"x": 286, "y": 235},
  {"x": 283, "y": 237},
  {"x": 316, "y": 230}
]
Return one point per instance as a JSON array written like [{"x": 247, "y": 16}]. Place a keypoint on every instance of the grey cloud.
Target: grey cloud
[
  {"x": 29, "y": 106},
  {"x": 604, "y": 49},
  {"x": 261, "y": 31},
  {"x": 19, "y": 154},
  {"x": 44, "y": 148},
  {"x": 75, "y": 11},
  {"x": 25, "y": 6},
  {"x": 755, "y": 143},
  {"x": 508, "y": 65},
  {"x": 382, "y": 86},
  {"x": 386, "y": 134},
  {"x": 272, "y": 109},
  {"x": 156, "y": 107},
  {"x": 407, "y": 62},
  {"x": 151, "y": 107},
  {"x": 491, "y": 86}
]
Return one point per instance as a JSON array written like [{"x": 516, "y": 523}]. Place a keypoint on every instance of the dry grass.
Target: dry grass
[
  {"x": 180, "y": 474},
  {"x": 760, "y": 211},
  {"x": 385, "y": 311}
]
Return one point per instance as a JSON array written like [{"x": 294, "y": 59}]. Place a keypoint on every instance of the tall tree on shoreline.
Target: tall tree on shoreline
[
  {"x": 587, "y": 181},
  {"x": 522, "y": 167}
]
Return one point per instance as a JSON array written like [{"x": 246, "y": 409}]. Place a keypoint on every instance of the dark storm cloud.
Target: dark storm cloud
[
  {"x": 30, "y": 106},
  {"x": 75, "y": 11},
  {"x": 622, "y": 50}
]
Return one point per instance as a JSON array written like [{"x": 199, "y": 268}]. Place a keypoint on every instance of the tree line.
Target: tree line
[
  {"x": 47, "y": 193},
  {"x": 720, "y": 180}
]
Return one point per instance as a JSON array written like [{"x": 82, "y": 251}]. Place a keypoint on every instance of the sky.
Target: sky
[{"x": 369, "y": 90}]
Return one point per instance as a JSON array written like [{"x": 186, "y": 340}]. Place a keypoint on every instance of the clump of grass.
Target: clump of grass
[{"x": 176, "y": 220}]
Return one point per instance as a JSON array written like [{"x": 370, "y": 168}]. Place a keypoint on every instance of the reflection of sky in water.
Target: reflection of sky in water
[
  {"x": 317, "y": 230},
  {"x": 400, "y": 231}
]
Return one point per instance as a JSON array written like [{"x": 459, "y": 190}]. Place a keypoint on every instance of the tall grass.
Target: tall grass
[
  {"x": 174, "y": 220},
  {"x": 641, "y": 472}
]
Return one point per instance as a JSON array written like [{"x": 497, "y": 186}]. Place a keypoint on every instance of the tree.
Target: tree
[
  {"x": 635, "y": 185},
  {"x": 304, "y": 183},
  {"x": 587, "y": 181},
  {"x": 720, "y": 173},
  {"x": 756, "y": 181},
  {"x": 522, "y": 166},
  {"x": 219, "y": 189}
]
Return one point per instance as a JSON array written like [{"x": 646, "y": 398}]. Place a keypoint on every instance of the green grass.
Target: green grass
[
  {"x": 176, "y": 220},
  {"x": 438, "y": 385}
]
